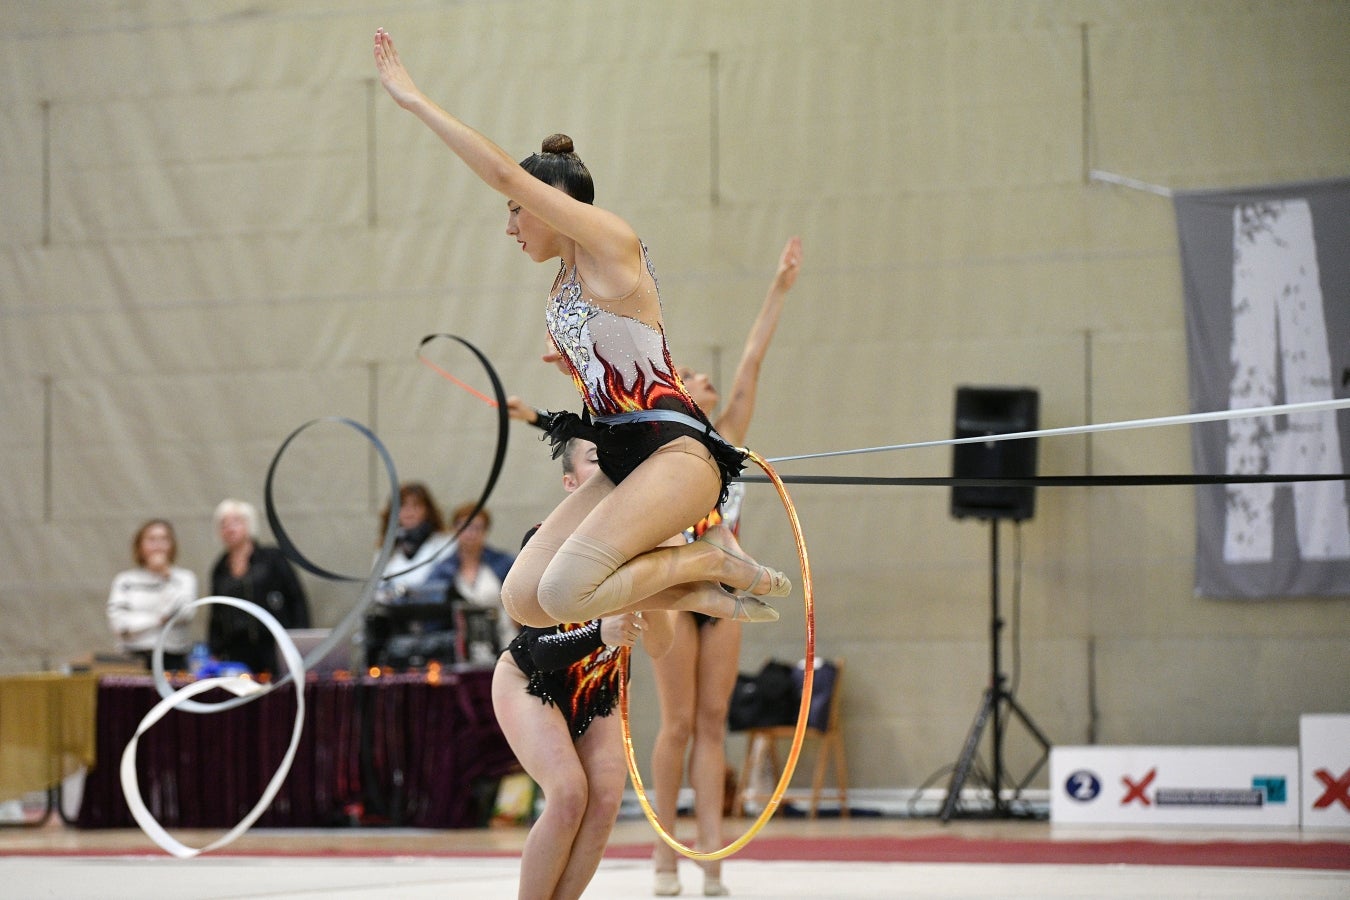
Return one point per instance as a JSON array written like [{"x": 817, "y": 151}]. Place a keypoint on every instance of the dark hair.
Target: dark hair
[
  {"x": 569, "y": 454},
  {"x": 136, "y": 553},
  {"x": 558, "y": 164},
  {"x": 421, "y": 492}
]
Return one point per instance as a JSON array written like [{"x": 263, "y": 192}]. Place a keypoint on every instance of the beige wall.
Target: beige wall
[{"x": 199, "y": 253}]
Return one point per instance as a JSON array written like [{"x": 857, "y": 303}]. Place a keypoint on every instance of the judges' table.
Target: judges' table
[
  {"x": 46, "y": 730},
  {"x": 413, "y": 750}
]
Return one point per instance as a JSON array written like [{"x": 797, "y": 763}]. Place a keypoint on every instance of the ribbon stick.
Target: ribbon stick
[
  {"x": 355, "y": 615},
  {"x": 495, "y": 404}
]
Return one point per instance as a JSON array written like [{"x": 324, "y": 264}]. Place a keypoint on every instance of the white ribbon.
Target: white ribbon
[{"x": 239, "y": 686}]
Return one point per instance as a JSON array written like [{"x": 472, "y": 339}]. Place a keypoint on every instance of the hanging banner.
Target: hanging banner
[{"x": 1266, "y": 273}]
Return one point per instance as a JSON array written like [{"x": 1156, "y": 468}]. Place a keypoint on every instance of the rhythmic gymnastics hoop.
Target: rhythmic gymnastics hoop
[{"x": 803, "y": 710}]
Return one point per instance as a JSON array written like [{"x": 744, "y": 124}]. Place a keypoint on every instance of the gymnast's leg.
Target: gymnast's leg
[
  {"x": 519, "y": 591},
  {"x": 608, "y": 563}
]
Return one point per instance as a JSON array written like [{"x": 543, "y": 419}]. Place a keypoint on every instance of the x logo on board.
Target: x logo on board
[
  {"x": 1135, "y": 791},
  {"x": 1337, "y": 789}
]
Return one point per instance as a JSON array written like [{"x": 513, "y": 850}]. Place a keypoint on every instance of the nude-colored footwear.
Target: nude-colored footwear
[
  {"x": 779, "y": 584},
  {"x": 713, "y": 887},
  {"x": 667, "y": 884},
  {"x": 753, "y": 609},
  {"x": 721, "y": 538}
]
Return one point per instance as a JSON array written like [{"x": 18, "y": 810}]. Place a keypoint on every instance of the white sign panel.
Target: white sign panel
[
  {"x": 1227, "y": 786},
  {"x": 1324, "y": 741}
]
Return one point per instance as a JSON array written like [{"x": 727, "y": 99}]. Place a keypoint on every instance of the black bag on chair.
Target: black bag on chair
[
  {"x": 764, "y": 699},
  {"x": 822, "y": 693}
]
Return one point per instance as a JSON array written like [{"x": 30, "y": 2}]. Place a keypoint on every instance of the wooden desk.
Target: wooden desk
[
  {"x": 397, "y": 749},
  {"x": 46, "y": 730}
]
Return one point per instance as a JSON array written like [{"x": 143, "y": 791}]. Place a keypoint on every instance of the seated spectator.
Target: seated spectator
[
  {"x": 474, "y": 571},
  {"x": 421, "y": 537},
  {"x": 256, "y": 573},
  {"x": 144, "y": 599}
]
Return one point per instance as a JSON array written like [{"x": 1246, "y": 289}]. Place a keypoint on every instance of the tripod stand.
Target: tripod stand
[{"x": 997, "y": 703}]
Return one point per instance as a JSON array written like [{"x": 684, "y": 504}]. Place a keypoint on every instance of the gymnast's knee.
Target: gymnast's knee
[
  {"x": 520, "y": 588},
  {"x": 583, "y": 581},
  {"x": 522, "y": 605}
]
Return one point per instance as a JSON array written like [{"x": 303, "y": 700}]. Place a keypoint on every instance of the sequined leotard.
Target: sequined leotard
[
  {"x": 621, "y": 364},
  {"x": 569, "y": 667}
]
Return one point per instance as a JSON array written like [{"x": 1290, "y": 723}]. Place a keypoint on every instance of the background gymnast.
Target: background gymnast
[
  {"x": 663, "y": 465},
  {"x": 695, "y": 679}
]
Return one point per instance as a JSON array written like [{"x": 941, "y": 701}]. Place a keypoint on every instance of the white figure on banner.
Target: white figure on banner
[{"x": 1281, "y": 353}]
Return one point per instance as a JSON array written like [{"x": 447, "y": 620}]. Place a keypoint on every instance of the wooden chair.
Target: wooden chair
[{"x": 830, "y": 746}]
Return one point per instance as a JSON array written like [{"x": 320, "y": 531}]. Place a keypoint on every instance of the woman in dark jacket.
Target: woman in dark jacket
[{"x": 255, "y": 573}]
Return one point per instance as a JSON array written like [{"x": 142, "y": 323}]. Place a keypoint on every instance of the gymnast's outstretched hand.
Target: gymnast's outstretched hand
[
  {"x": 393, "y": 75},
  {"x": 521, "y": 411}
]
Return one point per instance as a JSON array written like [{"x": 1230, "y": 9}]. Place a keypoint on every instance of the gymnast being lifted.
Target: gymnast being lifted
[{"x": 607, "y": 547}]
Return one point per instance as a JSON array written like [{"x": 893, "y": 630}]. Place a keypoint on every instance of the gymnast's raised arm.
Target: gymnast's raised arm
[
  {"x": 607, "y": 249},
  {"x": 734, "y": 420}
]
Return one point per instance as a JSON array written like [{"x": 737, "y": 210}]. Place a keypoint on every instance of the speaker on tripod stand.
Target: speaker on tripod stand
[
  {"x": 986, "y": 412},
  {"x": 983, "y": 411}
]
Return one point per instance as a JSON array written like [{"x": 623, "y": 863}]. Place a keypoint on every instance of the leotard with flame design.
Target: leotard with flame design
[{"x": 618, "y": 362}]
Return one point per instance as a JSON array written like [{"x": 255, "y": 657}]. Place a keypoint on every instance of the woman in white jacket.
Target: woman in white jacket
[{"x": 145, "y": 598}]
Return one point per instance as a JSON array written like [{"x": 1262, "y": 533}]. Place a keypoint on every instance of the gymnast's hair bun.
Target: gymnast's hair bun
[{"x": 558, "y": 143}]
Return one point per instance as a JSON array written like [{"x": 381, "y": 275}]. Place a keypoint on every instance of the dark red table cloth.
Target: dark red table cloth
[{"x": 396, "y": 749}]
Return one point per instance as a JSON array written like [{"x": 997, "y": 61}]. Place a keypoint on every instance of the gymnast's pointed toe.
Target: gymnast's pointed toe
[
  {"x": 779, "y": 584},
  {"x": 723, "y": 539},
  {"x": 753, "y": 609}
]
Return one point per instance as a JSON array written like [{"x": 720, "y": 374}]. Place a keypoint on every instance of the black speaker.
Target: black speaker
[{"x": 994, "y": 410}]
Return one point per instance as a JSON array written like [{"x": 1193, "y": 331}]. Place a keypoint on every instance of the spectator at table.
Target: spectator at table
[
  {"x": 421, "y": 537},
  {"x": 259, "y": 574},
  {"x": 144, "y": 599},
  {"x": 474, "y": 571}
]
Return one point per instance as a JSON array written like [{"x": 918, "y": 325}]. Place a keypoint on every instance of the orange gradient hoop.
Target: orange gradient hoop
[{"x": 808, "y": 680}]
